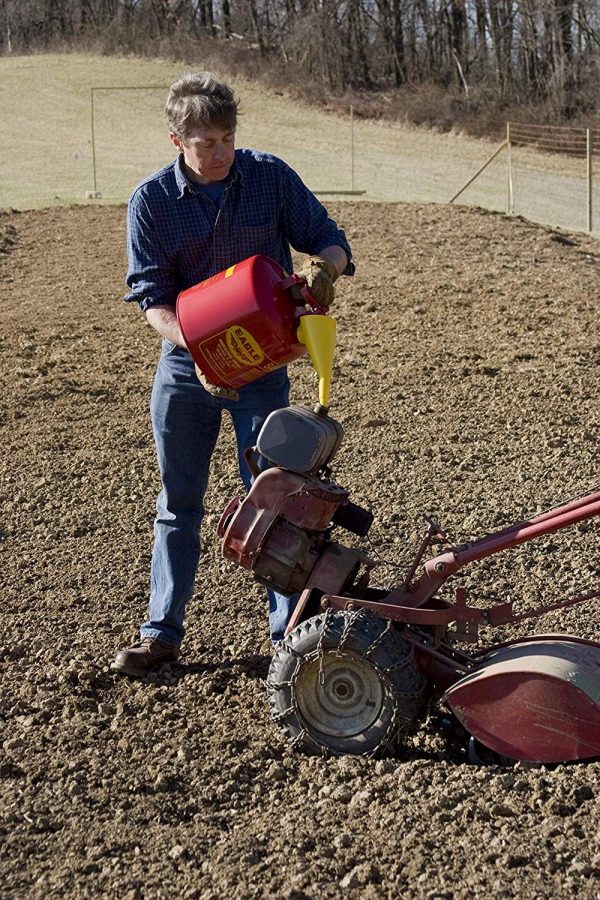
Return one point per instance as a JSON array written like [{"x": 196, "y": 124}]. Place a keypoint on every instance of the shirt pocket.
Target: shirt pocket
[{"x": 260, "y": 238}]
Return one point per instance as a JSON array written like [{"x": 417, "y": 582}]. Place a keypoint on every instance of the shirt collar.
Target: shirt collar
[{"x": 186, "y": 184}]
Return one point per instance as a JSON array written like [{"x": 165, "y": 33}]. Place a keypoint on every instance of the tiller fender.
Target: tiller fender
[{"x": 534, "y": 700}]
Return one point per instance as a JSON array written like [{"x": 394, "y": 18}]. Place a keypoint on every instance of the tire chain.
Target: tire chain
[
  {"x": 349, "y": 622},
  {"x": 378, "y": 641},
  {"x": 303, "y": 736},
  {"x": 320, "y": 655},
  {"x": 389, "y": 740}
]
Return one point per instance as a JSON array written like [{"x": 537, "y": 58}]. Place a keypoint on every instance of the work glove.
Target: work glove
[
  {"x": 319, "y": 275},
  {"x": 221, "y": 393}
]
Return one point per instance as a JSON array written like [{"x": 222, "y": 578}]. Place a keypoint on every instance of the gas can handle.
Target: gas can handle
[{"x": 296, "y": 281}]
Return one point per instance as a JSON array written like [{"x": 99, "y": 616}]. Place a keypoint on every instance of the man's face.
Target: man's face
[{"x": 208, "y": 153}]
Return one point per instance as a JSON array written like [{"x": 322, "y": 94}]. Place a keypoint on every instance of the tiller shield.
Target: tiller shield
[{"x": 536, "y": 700}]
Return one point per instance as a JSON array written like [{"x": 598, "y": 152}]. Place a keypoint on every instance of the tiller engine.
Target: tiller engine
[
  {"x": 359, "y": 664},
  {"x": 282, "y": 529}
]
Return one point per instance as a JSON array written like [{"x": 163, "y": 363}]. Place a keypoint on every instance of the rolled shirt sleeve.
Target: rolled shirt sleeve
[{"x": 152, "y": 269}]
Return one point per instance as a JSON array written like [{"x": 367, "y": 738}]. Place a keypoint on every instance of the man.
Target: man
[{"x": 210, "y": 208}]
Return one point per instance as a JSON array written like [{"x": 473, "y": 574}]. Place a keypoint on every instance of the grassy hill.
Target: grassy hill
[{"x": 46, "y": 148}]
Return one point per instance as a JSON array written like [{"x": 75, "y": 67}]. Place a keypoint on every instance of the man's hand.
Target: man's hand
[
  {"x": 319, "y": 274},
  {"x": 221, "y": 393}
]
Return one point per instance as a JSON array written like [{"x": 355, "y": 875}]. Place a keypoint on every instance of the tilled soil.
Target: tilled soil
[{"x": 467, "y": 382}]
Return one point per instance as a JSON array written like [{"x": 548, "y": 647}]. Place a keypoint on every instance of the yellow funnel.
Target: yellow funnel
[{"x": 317, "y": 333}]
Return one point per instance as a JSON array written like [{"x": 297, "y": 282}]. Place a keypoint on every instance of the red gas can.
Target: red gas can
[{"x": 242, "y": 323}]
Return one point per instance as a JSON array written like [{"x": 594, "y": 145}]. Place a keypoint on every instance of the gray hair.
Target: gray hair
[{"x": 198, "y": 100}]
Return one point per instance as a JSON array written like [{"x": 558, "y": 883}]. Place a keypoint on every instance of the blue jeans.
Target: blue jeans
[{"x": 186, "y": 420}]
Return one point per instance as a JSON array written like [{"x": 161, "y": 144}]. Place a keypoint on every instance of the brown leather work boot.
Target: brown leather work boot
[{"x": 139, "y": 659}]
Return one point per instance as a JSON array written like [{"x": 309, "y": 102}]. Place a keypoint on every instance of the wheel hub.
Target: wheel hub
[{"x": 342, "y": 697}]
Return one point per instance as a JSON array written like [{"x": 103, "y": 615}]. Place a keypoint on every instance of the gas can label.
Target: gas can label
[
  {"x": 235, "y": 356},
  {"x": 243, "y": 346}
]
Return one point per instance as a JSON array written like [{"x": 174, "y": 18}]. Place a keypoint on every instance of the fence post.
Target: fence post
[
  {"x": 352, "y": 146},
  {"x": 93, "y": 137},
  {"x": 95, "y": 194},
  {"x": 510, "y": 204},
  {"x": 590, "y": 211}
]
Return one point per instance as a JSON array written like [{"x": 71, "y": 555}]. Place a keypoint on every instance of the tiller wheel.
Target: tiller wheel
[{"x": 345, "y": 682}]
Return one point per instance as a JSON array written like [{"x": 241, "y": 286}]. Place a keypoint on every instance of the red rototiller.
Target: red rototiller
[{"x": 359, "y": 663}]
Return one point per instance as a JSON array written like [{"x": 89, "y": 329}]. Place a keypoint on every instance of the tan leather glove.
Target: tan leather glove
[
  {"x": 221, "y": 393},
  {"x": 319, "y": 275}
]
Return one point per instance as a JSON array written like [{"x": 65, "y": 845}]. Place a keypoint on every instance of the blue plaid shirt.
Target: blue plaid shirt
[{"x": 177, "y": 237}]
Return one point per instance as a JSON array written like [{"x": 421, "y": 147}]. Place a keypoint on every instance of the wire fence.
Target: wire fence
[
  {"x": 561, "y": 140},
  {"x": 95, "y": 194},
  {"x": 568, "y": 140},
  {"x": 531, "y": 192},
  {"x": 551, "y": 192}
]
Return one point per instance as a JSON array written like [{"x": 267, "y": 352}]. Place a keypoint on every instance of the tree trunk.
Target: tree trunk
[
  {"x": 226, "y": 13},
  {"x": 565, "y": 24},
  {"x": 481, "y": 19}
]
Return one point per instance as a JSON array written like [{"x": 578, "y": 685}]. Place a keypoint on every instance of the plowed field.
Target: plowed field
[{"x": 467, "y": 382}]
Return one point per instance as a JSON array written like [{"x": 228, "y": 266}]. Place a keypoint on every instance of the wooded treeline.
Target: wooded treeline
[{"x": 512, "y": 50}]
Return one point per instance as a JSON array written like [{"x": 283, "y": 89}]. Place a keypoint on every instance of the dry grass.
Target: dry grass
[{"x": 46, "y": 149}]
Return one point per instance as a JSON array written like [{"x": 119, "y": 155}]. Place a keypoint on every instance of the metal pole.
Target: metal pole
[
  {"x": 511, "y": 204},
  {"x": 352, "y": 145},
  {"x": 589, "y": 149},
  {"x": 93, "y": 139}
]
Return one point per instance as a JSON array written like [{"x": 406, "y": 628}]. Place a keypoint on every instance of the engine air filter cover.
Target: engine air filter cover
[{"x": 298, "y": 439}]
